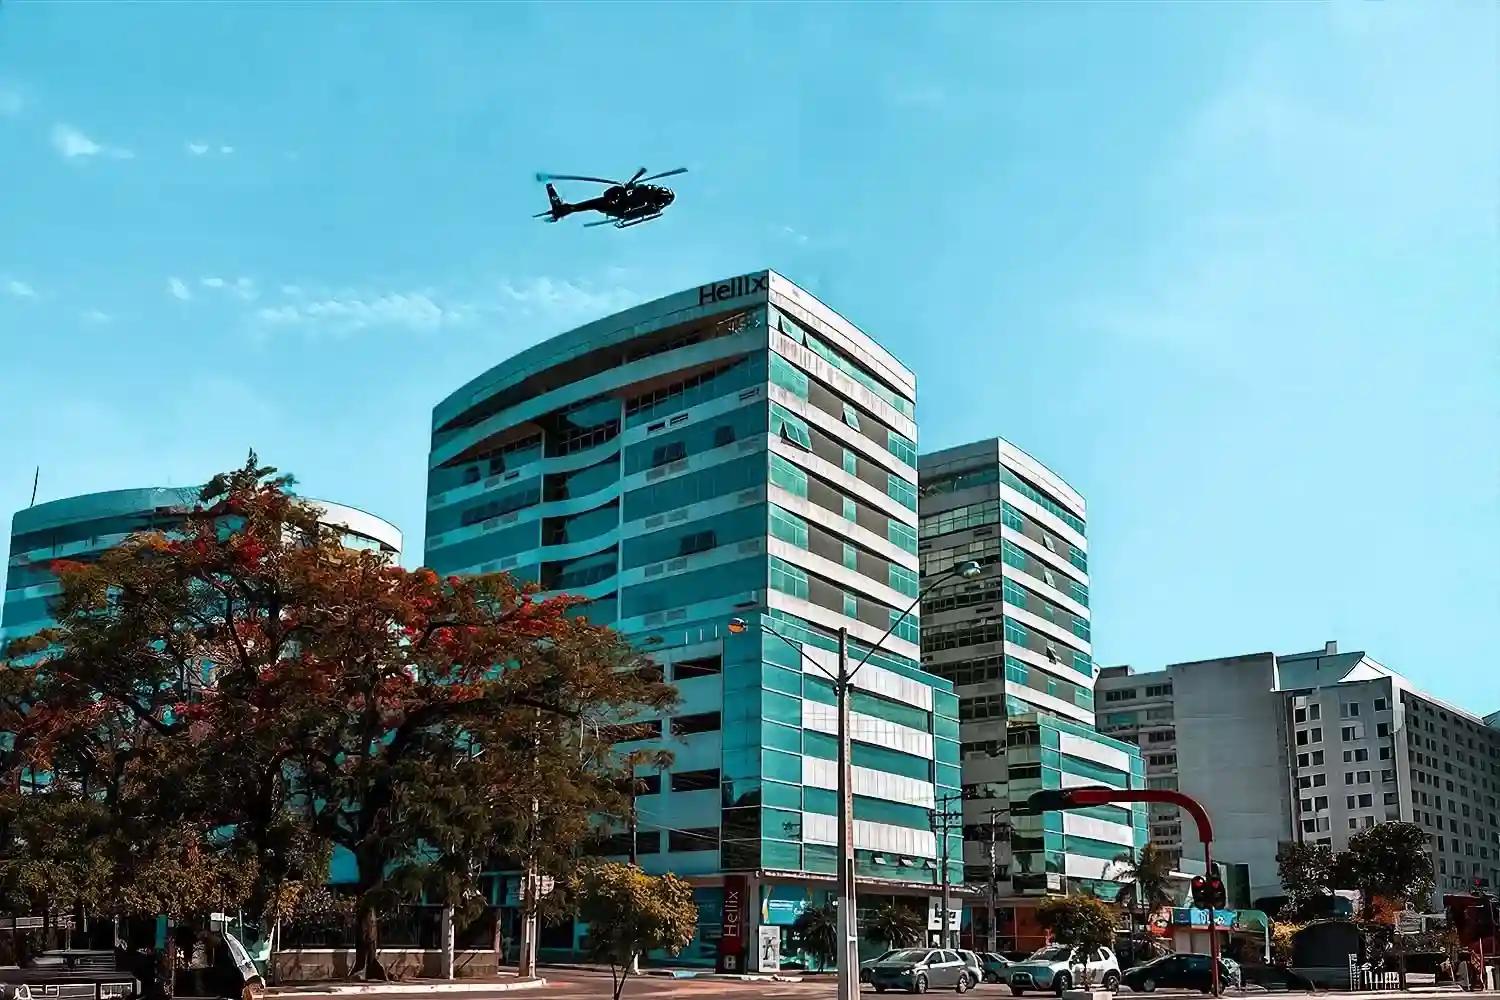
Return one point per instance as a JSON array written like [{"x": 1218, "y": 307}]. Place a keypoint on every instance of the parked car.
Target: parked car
[
  {"x": 996, "y": 966},
  {"x": 870, "y": 963},
  {"x": 1057, "y": 967},
  {"x": 975, "y": 966},
  {"x": 1181, "y": 971},
  {"x": 1276, "y": 977},
  {"x": 917, "y": 970}
]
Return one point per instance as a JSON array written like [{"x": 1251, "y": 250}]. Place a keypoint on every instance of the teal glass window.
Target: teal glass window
[
  {"x": 820, "y": 800},
  {"x": 777, "y": 793},
  {"x": 1016, "y": 671},
  {"x": 891, "y": 813},
  {"x": 780, "y": 855},
  {"x": 947, "y": 728},
  {"x": 692, "y": 536},
  {"x": 1080, "y": 627},
  {"x": 851, "y": 605},
  {"x": 788, "y": 527},
  {"x": 1079, "y": 592},
  {"x": 778, "y": 707},
  {"x": 851, "y": 415},
  {"x": 788, "y": 579},
  {"x": 1012, "y": 555},
  {"x": 777, "y": 679},
  {"x": 904, "y": 580},
  {"x": 699, "y": 436},
  {"x": 777, "y": 737},
  {"x": 819, "y": 745},
  {"x": 1015, "y": 632},
  {"x": 817, "y": 689},
  {"x": 890, "y": 710},
  {"x": 782, "y": 766},
  {"x": 1078, "y": 558},
  {"x": 901, "y": 491},
  {"x": 850, "y": 512},
  {"x": 885, "y": 759},
  {"x": 1012, "y": 518},
  {"x": 1020, "y": 485},
  {"x": 837, "y": 360},
  {"x": 905, "y": 627},
  {"x": 902, "y": 447},
  {"x": 819, "y": 858},
  {"x": 716, "y": 480},
  {"x": 788, "y": 376},
  {"x": 1013, "y": 592},
  {"x": 788, "y": 476},
  {"x": 902, "y": 534},
  {"x": 948, "y": 775},
  {"x": 851, "y": 462},
  {"x": 851, "y": 557},
  {"x": 791, "y": 427},
  {"x": 781, "y": 824},
  {"x": 689, "y": 588}
]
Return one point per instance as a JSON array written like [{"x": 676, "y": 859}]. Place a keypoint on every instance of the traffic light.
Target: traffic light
[
  {"x": 1208, "y": 892},
  {"x": 1485, "y": 917},
  {"x": 1200, "y": 892}
]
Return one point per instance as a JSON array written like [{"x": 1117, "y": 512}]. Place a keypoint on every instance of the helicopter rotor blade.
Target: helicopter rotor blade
[
  {"x": 636, "y": 177},
  {"x": 665, "y": 173},
  {"x": 574, "y": 177}
]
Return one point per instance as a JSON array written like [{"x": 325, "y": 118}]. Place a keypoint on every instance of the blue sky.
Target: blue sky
[{"x": 1229, "y": 269}]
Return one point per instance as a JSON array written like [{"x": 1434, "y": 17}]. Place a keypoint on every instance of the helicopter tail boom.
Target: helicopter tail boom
[{"x": 557, "y": 208}]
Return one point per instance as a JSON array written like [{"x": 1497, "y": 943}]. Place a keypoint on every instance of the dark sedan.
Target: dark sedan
[
  {"x": 917, "y": 970},
  {"x": 1177, "y": 972}
]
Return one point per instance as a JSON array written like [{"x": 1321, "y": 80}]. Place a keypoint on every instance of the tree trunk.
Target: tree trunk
[
  {"x": 168, "y": 968},
  {"x": 367, "y": 941}
]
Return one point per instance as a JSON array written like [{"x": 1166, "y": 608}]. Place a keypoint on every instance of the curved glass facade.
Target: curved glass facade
[
  {"x": 80, "y": 528},
  {"x": 733, "y": 451}
]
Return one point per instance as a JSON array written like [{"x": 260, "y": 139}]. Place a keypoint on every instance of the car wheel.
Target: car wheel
[
  {"x": 1061, "y": 983},
  {"x": 879, "y": 988},
  {"x": 1016, "y": 991},
  {"x": 920, "y": 985},
  {"x": 962, "y": 986},
  {"x": 991, "y": 977},
  {"x": 1111, "y": 980},
  {"x": 1148, "y": 985}
]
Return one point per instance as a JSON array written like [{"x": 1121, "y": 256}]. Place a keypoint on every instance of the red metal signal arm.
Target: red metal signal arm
[{"x": 1074, "y": 798}]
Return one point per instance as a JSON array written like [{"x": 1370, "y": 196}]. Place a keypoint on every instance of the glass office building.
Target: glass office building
[
  {"x": 1016, "y": 643},
  {"x": 737, "y": 450},
  {"x": 80, "y": 528}
]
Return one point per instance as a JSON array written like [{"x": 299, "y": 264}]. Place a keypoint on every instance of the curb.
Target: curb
[
  {"x": 741, "y": 977},
  {"x": 397, "y": 988}
]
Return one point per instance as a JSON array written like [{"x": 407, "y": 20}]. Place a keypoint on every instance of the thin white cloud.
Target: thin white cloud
[
  {"x": 226, "y": 150},
  {"x": 245, "y": 288},
  {"x": 19, "y": 289},
  {"x": 72, "y": 143},
  {"x": 96, "y": 316},
  {"x": 197, "y": 148},
  {"x": 11, "y": 102},
  {"x": 563, "y": 298},
  {"x": 416, "y": 311},
  {"x": 178, "y": 289},
  {"x": 294, "y": 291},
  {"x": 212, "y": 282}
]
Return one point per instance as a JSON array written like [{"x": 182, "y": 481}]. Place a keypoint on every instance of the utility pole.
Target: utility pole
[
  {"x": 526, "y": 961},
  {"x": 943, "y": 821},
  {"x": 992, "y": 938}
]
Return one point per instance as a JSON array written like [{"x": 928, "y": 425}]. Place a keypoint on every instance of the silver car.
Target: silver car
[
  {"x": 917, "y": 970},
  {"x": 975, "y": 965}
]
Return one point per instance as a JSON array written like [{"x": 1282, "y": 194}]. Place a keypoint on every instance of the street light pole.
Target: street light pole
[{"x": 847, "y": 928}]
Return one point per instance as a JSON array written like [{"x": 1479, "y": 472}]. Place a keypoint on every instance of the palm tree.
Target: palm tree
[
  {"x": 817, "y": 929},
  {"x": 898, "y": 926},
  {"x": 1147, "y": 883}
]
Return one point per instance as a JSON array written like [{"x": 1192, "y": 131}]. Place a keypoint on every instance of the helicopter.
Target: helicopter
[{"x": 623, "y": 203}]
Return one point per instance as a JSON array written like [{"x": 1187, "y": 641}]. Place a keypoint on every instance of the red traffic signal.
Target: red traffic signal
[
  {"x": 1200, "y": 892},
  {"x": 1209, "y": 892}
]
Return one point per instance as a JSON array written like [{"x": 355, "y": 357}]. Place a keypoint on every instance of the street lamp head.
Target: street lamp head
[
  {"x": 737, "y": 626},
  {"x": 969, "y": 570}
]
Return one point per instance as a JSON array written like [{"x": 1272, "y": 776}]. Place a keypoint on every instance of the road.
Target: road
[{"x": 571, "y": 984}]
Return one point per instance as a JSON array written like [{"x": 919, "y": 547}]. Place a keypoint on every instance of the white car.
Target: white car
[{"x": 1058, "y": 967}]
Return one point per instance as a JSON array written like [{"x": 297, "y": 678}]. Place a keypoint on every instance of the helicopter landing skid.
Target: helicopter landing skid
[{"x": 623, "y": 223}]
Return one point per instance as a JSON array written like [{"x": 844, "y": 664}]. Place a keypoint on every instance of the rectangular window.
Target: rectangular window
[
  {"x": 906, "y": 627},
  {"x": 1347, "y": 733},
  {"x": 788, "y": 476},
  {"x": 788, "y": 527},
  {"x": 901, "y": 534},
  {"x": 695, "y": 781},
  {"x": 851, "y": 557},
  {"x": 702, "y": 666},
  {"x": 790, "y": 427},
  {"x": 851, "y": 462},
  {"x": 702, "y": 722},
  {"x": 1314, "y": 712},
  {"x": 851, "y": 416},
  {"x": 901, "y": 491},
  {"x": 851, "y": 606},
  {"x": 788, "y": 579},
  {"x": 704, "y": 838},
  {"x": 1381, "y": 705},
  {"x": 904, "y": 580},
  {"x": 788, "y": 376},
  {"x": 902, "y": 447}
]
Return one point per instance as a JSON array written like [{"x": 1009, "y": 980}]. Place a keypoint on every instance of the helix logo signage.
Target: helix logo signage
[{"x": 745, "y": 284}]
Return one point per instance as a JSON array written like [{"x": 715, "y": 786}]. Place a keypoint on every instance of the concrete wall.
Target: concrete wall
[
  {"x": 1230, "y": 745},
  {"x": 320, "y": 964}
]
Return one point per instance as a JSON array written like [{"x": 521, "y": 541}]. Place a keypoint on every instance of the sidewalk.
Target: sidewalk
[
  {"x": 420, "y": 987},
  {"x": 671, "y": 972}
]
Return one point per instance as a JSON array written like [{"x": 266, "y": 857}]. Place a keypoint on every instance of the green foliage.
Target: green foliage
[
  {"x": 816, "y": 932},
  {"x": 1388, "y": 861},
  {"x": 1146, "y": 879},
  {"x": 229, "y": 701},
  {"x": 629, "y": 913},
  {"x": 1306, "y": 872},
  {"x": 1084, "y": 922},
  {"x": 898, "y": 926}
]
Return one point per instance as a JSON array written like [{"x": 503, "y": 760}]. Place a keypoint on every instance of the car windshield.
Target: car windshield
[
  {"x": 1053, "y": 953},
  {"x": 910, "y": 955}
]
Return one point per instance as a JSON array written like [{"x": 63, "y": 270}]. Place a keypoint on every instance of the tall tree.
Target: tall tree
[
  {"x": 630, "y": 913},
  {"x": 1145, "y": 878},
  {"x": 1306, "y": 872},
  {"x": 898, "y": 926},
  {"x": 1388, "y": 861},
  {"x": 252, "y": 677},
  {"x": 816, "y": 928}
]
